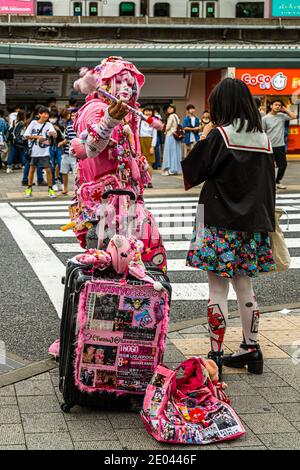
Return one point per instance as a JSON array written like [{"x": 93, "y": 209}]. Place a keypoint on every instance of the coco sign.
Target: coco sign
[{"x": 270, "y": 81}]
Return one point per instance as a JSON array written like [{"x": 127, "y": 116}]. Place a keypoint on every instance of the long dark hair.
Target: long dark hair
[
  {"x": 230, "y": 100},
  {"x": 21, "y": 116}
]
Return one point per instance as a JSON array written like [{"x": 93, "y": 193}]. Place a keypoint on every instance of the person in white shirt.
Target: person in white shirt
[
  {"x": 148, "y": 139},
  {"x": 39, "y": 134},
  {"x": 13, "y": 112},
  {"x": 274, "y": 126}
]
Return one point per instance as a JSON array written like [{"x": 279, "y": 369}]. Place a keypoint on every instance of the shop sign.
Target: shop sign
[
  {"x": 286, "y": 8},
  {"x": 294, "y": 139},
  {"x": 17, "y": 7},
  {"x": 270, "y": 81}
]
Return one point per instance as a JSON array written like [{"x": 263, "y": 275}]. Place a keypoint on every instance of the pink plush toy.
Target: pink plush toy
[{"x": 97, "y": 258}]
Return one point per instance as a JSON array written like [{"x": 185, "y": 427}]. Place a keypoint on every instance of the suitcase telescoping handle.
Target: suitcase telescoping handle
[
  {"x": 118, "y": 192},
  {"x": 131, "y": 215}
]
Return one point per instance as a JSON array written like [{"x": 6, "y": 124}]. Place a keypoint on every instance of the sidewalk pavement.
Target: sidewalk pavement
[
  {"x": 268, "y": 404},
  {"x": 11, "y": 188}
]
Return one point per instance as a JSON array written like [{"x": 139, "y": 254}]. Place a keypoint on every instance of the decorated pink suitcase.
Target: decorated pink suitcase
[{"x": 112, "y": 336}]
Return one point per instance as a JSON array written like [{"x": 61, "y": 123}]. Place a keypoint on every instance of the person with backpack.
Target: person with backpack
[
  {"x": 232, "y": 243},
  {"x": 18, "y": 143},
  {"x": 173, "y": 144},
  {"x": 68, "y": 162},
  {"x": 56, "y": 150},
  {"x": 32, "y": 116},
  {"x": 3, "y": 135},
  {"x": 39, "y": 134}
]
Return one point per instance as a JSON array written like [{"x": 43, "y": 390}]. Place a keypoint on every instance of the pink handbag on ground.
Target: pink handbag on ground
[{"x": 184, "y": 410}]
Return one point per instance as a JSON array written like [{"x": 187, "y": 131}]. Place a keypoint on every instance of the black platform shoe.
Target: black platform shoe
[
  {"x": 252, "y": 359},
  {"x": 217, "y": 357}
]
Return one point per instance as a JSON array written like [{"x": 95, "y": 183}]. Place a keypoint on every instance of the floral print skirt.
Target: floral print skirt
[{"x": 230, "y": 253}]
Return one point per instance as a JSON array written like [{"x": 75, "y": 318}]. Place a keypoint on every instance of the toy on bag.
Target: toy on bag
[
  {"x": 187, "y": 410},
  {"x": 219, "y": 387}
]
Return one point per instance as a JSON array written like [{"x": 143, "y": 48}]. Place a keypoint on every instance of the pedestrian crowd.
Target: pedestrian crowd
[
  {"x": 168, "y": 148},
  {"x": 39, "y": 140}
]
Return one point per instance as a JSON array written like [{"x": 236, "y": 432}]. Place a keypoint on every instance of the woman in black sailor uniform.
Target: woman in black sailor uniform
[{"x": 232, "y": 244}]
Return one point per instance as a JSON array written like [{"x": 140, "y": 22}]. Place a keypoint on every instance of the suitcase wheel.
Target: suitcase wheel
[{"x": 66, "y": 407}]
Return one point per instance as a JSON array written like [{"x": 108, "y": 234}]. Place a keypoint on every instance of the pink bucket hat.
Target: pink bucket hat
[{"x": 113, "y": 65}]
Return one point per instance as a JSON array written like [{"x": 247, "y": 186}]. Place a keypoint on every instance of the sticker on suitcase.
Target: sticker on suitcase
[{"x": 121, "y": 338}]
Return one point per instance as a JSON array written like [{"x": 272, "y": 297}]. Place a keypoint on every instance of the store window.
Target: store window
[
  {"x": 44, "y": 9},
  {"x": 210, "y": 10},
  {"x": 250, "y": 10},
  {"x": 195, "y": 10},
  {"x": 77, "y": 9},
  {"x": 127, "y": 9},
  {"x": 162, "y": 9},
  {"x": 93, "y": 9}
]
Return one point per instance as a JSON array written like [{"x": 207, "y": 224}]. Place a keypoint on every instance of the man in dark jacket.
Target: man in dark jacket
[{"x": 191, "y": 127}]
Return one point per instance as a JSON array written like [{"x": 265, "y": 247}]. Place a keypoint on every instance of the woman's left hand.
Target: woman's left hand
[
  {"x": 151, "y": 150},
  {"x": 207, "y": 129}
]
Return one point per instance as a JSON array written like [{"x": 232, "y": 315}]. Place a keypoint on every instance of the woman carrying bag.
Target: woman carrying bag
[
  {"x": 173, "y": 149},
  {"x": 235, "y": 160}
]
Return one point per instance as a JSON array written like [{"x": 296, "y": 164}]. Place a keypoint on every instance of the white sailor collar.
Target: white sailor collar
[{"x": 246, "y": 141}]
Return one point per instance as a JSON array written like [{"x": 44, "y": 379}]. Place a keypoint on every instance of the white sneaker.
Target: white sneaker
[
  {"x": 165, "y": 173},
  {"x": 9, "y": 170},
  {"x": 55, "y": 187},
  {"x": 280, "y": 186}
]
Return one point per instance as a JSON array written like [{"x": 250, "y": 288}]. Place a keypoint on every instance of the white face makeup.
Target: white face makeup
[{"x": 124, "y": 86}]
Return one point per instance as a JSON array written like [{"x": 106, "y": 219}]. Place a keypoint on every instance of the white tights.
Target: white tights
[{"x": 218, "y": 309}]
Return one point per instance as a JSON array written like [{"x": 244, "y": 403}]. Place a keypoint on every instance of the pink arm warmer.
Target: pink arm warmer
[{"x": 99, "y": 135}]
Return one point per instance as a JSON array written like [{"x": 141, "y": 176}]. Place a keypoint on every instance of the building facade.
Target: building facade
[{"x": 154, "y": 8}]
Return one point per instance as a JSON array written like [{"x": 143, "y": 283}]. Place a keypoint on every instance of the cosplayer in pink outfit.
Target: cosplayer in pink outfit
[
  {"x": 108, "y": 151},
  {"x": 109, "y": 157}
]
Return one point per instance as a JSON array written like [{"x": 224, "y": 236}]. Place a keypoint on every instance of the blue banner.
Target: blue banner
[{"x": 286, "y": 8}]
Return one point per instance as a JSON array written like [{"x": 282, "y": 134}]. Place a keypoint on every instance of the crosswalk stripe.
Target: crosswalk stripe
[
  {"x": 41, "y": 203},
  {"x": 171, "y": 199},
  {"x": 165, "y": 231},
  {"x": 43, "y": 208},
  {"x": 179, "y": 264},
  {"x": 288, "y": 195},
  {"x": 65, "y": 213},
  {"x": 188, "y": 221},
  {"x": 68, "y": 248},
  {"x": 46, "y": 214},
  {"x": 160, "y": 216},
  {"x": 57, "y": 234},
  {"x": 195, "y": 291},
  {"x": 169, "y": 246},
  {"x": 50, "y": 221},
  {"x": 48, "y": 268}
]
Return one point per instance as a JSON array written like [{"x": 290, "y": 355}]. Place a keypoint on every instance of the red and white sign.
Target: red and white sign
[
  {"x": 270, "y": 81},
  {"x": 17, "y": 7}
]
